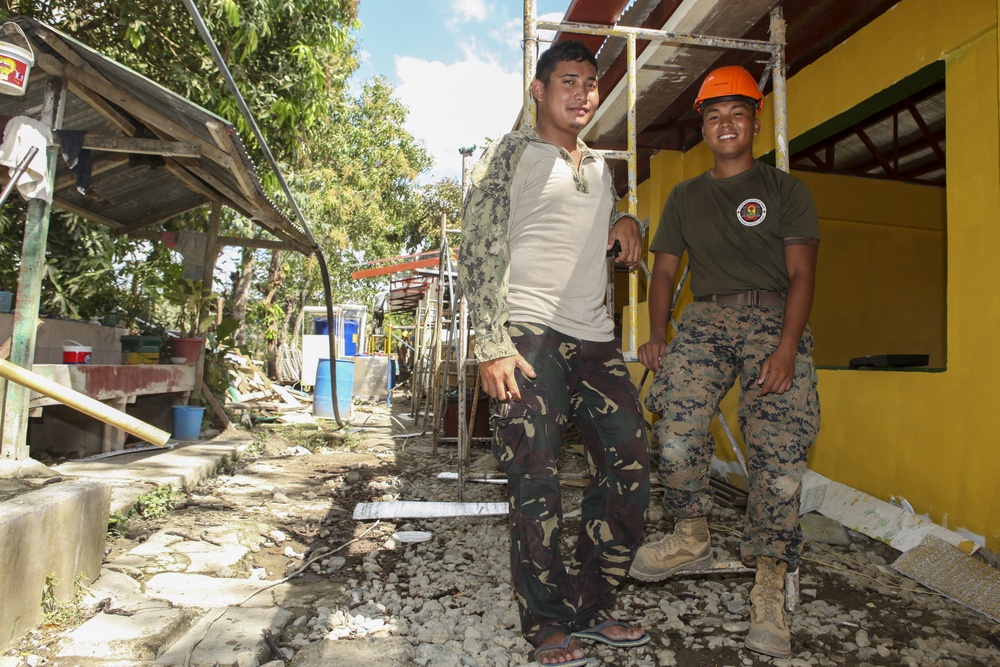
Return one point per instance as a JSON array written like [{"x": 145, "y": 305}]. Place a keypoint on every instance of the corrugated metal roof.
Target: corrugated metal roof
[
  {"x": 129, "y": 192},
  {"x": 668, "y": 77}
]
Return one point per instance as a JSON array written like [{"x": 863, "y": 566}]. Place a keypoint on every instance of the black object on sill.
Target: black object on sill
[{"x": 890, "y": 361}]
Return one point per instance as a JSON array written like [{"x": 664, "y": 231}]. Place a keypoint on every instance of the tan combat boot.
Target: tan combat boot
[
  {"x": 689, "y": 547},
  {"x": 768, "y": 627}
]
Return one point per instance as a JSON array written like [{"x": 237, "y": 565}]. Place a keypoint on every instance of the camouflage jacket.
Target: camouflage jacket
[{"x": 484, "y": 255}]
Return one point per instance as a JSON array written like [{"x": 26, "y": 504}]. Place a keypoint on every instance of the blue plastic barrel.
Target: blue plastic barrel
[
  {"x": 350, "y": 338},
  {"x": 322, "y": 396},
  {"x": 320, "y": 327},
  {"x": 187, "y": 421}
]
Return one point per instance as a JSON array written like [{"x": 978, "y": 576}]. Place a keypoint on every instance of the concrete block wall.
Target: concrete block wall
[
  {"x": 105, "y": 341},
  {"x": 57, "y": 530}
]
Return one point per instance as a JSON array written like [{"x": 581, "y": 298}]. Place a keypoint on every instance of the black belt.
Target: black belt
[{"x": 754, "y": 297}]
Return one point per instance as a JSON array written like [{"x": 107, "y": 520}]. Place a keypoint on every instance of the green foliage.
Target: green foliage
[
  {"x": 61, "y": 612},
  {"x": 118, "y": 523},
  {"x": 150, "y": 506},
  {"x": 445, "y": 196},
  {"x": 188, "y": 298},
  {"x": 155, "y": 505},
  {"x": 359, "y": 184},
  {"x": 219, "y": 368}
]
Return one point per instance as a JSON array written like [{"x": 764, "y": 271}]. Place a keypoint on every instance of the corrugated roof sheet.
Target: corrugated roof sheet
[{"x": 128, "y": 191}]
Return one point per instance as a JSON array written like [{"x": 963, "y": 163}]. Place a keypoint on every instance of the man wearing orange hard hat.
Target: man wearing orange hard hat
[{"x": 752, "y": 235}]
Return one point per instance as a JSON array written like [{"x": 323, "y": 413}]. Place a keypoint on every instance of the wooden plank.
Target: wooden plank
[
  {"x": 155, "y": 120},
  {"x": 98, "y": 166},
  {"x": 285, "y": 396},
  {"x": 102, "y": 107},
  {"x": 140, "y": 146},
  {"x": 253, "y": 396},
  {"x": 84, "y": 213},
  {"x": 216, "y": 408},
  {"x": 236, "y": 241},
  {"x": 191, "y": 181},
  {"x": 248, "y": 207},
  {"x": 78, "y": 68},
  {"x": 256, "y": 243}
]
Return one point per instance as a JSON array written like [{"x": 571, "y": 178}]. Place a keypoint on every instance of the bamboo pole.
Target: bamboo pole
[{"x": 83, "y": 403}]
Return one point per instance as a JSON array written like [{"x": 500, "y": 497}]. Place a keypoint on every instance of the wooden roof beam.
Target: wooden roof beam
[
  {"x": 221, "y": 135},
  {"x": 140, "y": 146}
]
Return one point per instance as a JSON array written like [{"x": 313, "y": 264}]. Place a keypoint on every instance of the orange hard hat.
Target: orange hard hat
[{"x": 729, "y": 83}]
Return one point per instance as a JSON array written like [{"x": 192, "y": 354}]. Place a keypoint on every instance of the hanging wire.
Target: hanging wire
[{"x": 248, "y": 116}]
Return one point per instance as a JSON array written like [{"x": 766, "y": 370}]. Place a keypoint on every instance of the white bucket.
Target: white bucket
[
  {"x": 76, "y": 354},
  {"x": 15, "y": 62}
]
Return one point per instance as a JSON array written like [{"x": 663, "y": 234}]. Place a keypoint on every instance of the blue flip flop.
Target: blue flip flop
[
  {"x": 594, "y": 634},
  {"x": 564, "y": 644}
]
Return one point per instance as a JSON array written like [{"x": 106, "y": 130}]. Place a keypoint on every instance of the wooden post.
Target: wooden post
[
  {"x": 14, "y": 444},
  {"x": 211, "y": 255}
]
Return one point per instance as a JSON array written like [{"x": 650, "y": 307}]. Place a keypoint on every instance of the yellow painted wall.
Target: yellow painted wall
[
  {"x": 928, "y": 437},
  {"x": 864, "y": 304}
]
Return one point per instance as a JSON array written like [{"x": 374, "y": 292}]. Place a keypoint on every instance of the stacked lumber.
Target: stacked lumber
[{"x": 250, "y": 389}]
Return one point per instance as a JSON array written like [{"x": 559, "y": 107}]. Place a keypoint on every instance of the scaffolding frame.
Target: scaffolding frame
[
  {"x": 774, "y": 48},
  {"x": 441, "y": 344}
]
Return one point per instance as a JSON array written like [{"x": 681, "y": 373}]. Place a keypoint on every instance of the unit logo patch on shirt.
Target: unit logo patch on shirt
[{"x": 751, "y": 212}]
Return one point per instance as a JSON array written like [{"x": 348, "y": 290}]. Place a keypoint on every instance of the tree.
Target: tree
[
  {"x": 291, "y": 62},
  {"x": 352, "y": 166},
  {"x": 445, "y": 197},
  {"x": 357, "y": 185},
  {"x": 286, "y": 58}
]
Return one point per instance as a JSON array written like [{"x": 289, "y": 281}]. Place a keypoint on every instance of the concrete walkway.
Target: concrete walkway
[{"x": 168, "y": 601}]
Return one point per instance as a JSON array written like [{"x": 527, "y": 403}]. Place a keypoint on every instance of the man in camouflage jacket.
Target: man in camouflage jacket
[{"x": 538, "y": 222}]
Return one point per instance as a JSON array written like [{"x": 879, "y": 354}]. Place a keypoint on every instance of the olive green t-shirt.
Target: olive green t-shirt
[{"x": 734, "y": 228}]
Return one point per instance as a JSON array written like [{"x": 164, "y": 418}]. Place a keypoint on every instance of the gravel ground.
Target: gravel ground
[
  {"x": 363, "y": 598},
  {"x": 451, "y": 598}
]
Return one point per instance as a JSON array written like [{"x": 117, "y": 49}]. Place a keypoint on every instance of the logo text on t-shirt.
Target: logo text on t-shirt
[{"x": 751, "y": 212}]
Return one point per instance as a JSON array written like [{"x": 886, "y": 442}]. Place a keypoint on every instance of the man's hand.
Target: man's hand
[
  {"x": 777, "y": 372},
  {"x": 626, "y": 232},
  {"x": 497, "y": 376},
  {"x": 651, "y": 353}
]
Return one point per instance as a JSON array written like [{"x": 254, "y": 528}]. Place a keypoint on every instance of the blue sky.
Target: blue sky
[{"x": 456, "y": 64}]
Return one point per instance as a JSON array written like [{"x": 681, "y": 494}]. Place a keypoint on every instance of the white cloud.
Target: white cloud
[
  {"x": 455, "y": 106},
  {"x": 469, "y": 10}
]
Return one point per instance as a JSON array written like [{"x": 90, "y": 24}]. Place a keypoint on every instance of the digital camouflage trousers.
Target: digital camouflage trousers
[
  {"x": 714, "y": 346},
  {"x": 588, "y": 383}
]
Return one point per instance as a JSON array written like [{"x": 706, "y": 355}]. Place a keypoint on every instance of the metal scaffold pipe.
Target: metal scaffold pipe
[
  {"x": 661, "y": 36},
  {"x": 780, "y": 95},
  {"x": 530, "y": 46}
]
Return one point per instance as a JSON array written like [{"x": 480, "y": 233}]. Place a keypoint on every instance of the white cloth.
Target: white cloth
[
  {"x": 191, "y": 246},
  {"x": 21, "y": 134}
]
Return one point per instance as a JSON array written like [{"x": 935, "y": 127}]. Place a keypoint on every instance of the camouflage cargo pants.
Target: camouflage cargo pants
[
  {"x": 713, "y": 346},
  {"x": 588, "y": 383}
]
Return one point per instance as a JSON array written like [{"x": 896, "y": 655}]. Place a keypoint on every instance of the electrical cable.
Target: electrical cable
[{"x": 248, "y": 116}]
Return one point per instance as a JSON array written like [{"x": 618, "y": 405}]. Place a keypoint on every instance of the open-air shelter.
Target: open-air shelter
[{"x": 154, "y": 156}]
